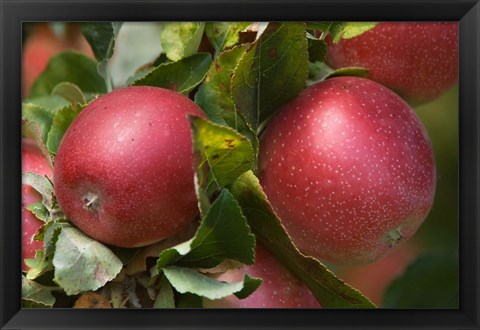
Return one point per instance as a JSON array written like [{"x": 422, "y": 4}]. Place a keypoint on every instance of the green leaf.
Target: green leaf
[
  {"x": 50, "y": 236},
  {"x": 250, "y": 284},
  {"x": 70, "y": 92},
  {"x": 222, "y": 234},
  {"x": 329, "y": 291},
  {"x": 37, "y": 266},
  {"x": 224, "y": 34},
  {"x": 229, "y": 154},
  {"x": 51, "y": 102},
  {"x": 35, "y": 293},
  {"x": 430, "y": 281},
  {"x": 33, "y": 130},
  {"x": 125, "y": 254},
  {"x": 165, "y": 297},
  {"x": 189, "y": 300},
  {"x": 81, "y": 263},
  {"x": 138, "y": 75},
  {"x": 181, "y": 76},
  {"x": 101, "y": 37},
  {"x": 272, "y": 71},
  {"x": 205, "y": 187},
  {"x": 250, "y": 134},
  {"x": 161, "y": 59},
  {"x": 39, "y": 210},
  {"x": 60, "y": 124},
  {"x": 320, "y": 71},
  {"x": 43, "y": 185},
  {"x": 31, "y": 304},
  {"x": 186, "y": 280},
  {"x": 317, "y": 72},
  {"x": 317, "y": 50},
  {"x": 71, "y": 67},
  {"x": 214, "y": 95},
  {"x": 42, "y": 262},
  {"x": 321, "y": 26},
  {"x": 38, "y": 116},
  {"x": 215, "y": 98},
  {"x": 181, "y": 39},
  {"x": 350, "y": 71},
  {"x": 349, "y": 30}
]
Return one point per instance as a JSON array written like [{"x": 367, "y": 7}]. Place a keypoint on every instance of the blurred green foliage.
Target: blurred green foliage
[
  {"x": 431, "y": 281},
  {"x": 440, "y": 230}
]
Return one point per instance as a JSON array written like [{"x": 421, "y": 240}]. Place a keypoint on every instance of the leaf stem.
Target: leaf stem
[{"x": 108, "y": 78}]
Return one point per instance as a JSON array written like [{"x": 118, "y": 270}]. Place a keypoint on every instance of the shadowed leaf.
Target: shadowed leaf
[{"x": 329, "y": 290}]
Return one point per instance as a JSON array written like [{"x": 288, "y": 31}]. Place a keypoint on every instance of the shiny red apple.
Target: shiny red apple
[
  {"x": 349, "y": 169},
  {"x": 418, "y": 60},
  {"x": 124, "y": 169},
  {"x": 33, "y": 161},
  {"x": 280, "y": 288}
]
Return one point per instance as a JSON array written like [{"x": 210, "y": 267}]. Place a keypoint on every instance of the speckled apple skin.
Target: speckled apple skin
[
  {"x": 133, "y": 149},
  {"x": 346, "y": 164},
  {"x": 33, "y": 161},
  {"x": 418, "y": 60},
  {"x": 280, "y": 287}
]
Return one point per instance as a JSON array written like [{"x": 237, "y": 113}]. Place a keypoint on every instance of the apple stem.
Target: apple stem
[
  {"x": 394, "y": 237},
  {"x": 91, "y": 201}
]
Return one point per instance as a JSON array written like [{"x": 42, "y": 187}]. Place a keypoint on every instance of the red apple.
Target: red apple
[
  {"x": 33, "y": 161},
  {"x": 280, "y": 287},
  {"x": 418, "y": 60},
  {"x": 349, "y": 169},
  {"x": 124, "y": 169}
]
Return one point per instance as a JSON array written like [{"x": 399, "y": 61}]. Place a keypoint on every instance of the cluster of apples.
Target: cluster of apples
[{"x": 347, "y": 165}]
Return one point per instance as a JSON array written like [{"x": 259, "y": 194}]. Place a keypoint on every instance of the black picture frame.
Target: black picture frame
[{"x": 14, "y": 12}]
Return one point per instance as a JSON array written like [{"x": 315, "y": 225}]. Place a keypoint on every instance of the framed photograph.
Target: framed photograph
[{"x": 240, "y": 164}]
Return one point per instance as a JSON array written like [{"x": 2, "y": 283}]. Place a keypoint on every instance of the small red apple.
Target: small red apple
[
  {"x": 349, "y": 169},
  {"x": 33, "y": 161},
  {"x": 280, "y": 287},
  {"x": 124, "y": 169},
  {"x": 418, "y": 60}
]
